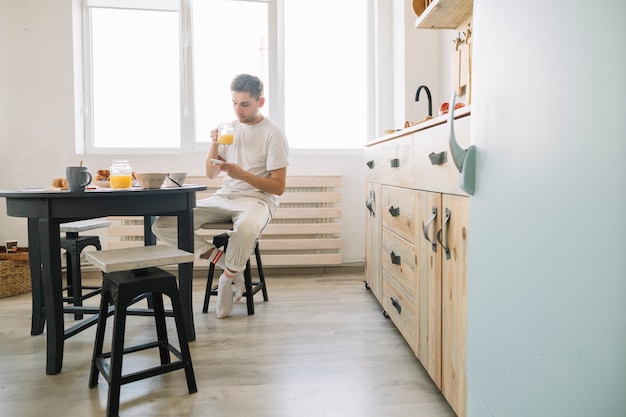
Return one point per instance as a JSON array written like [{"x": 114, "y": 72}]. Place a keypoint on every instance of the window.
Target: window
[
  {"x": 325, "y": 74},
  {"x": 229, "y": 38},
  {"x": 135, "y": 94},
  {"x": 157, "y": 72}
]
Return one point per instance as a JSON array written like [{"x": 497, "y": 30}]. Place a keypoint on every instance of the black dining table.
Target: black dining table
[{"x": 46, "y": 209}]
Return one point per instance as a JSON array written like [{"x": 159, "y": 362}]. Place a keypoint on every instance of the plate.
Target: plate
[{"x": 103, "y": 184}]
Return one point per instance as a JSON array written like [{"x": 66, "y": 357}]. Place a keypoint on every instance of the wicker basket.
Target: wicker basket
[{"x": 14, "y": 273}]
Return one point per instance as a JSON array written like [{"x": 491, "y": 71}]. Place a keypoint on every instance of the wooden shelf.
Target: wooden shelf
[{"x": 445, "y": 14}]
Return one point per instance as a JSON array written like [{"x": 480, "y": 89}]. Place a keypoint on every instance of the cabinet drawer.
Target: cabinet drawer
[
  {"x": 398, "y": 211},
  {"x": 397, "y": 162},
  {"x": 401, "y": 310},
  {"x": 373, "y": 163},
  {"x": 399, "y": 260},
  {"x": 442, "y": 177}
]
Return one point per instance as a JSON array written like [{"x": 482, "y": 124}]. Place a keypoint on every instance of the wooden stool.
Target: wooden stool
[
  {"x": 130, "y": 275},
  {"x": 74, "y": 244},
  {"x": 252, "y": 287}
]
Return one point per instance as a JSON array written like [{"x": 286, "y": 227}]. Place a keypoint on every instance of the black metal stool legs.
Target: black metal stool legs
[
  {"x": 74, "y": 245},
  {"x": 123, "y": 289},
  {"x": 252, "y": 287}
]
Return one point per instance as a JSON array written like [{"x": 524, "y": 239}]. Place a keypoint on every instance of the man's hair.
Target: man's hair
[{"x": 248, "y": 83}]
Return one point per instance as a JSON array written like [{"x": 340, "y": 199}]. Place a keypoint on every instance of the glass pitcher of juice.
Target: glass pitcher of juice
[
  {"x": 121, "y": 174},
  {"x": 226, "y": 134}
]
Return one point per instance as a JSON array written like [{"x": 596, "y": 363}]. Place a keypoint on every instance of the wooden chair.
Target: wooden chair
[
  {"x": 252, "y": 287},
  {"x": 130, "y": 275}
]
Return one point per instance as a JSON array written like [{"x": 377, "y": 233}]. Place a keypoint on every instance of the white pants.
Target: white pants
[{"x": 248, "y": 214}]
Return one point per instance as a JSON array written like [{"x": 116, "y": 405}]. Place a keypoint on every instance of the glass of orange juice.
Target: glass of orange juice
[
  {"x": 121, "y": 174},
  {"x": 226, "y": 134}
]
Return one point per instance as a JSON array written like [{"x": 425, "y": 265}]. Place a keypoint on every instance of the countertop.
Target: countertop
[{"x": 462, "y": 112}]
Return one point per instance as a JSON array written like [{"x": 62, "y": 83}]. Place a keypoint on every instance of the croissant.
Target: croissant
[
  {"x": 59, "y": 182},
  {"x": 103, "y": 175}
]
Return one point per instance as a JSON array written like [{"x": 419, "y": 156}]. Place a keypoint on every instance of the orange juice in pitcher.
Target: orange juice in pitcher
[
  {"x": 121, "y": 181},
  {"x": 121, "y": 174},
  {"x": 226, "y": 134}
]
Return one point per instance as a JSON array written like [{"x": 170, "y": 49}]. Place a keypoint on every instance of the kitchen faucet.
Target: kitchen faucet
[{"x": 430, "y": 100}]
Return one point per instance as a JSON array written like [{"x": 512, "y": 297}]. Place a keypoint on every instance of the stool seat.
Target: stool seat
[
  {"x": 130, "y": 275},
  {"x": 251, "y": 287},
  {"x": 125, "y": 259},
  {"x": 83, "y": 225}
]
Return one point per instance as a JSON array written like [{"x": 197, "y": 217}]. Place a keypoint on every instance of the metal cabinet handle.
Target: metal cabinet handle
[
  {"x": 430, "y": 221},
  {"x": 394, "y": 163},
  {"x": 438, "y": 158},
  {"x": 445, "y": 231},
  {"x": 396, "y": 304},
  {"x": 395, "y": 259},
  {"x": 369, "y": 203},
  {"x": 370, "y": 164},
  {"x": 394, "y": 211}
]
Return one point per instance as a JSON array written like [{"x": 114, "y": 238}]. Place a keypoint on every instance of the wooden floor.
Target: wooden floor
[{"x": 320, "y": 347}]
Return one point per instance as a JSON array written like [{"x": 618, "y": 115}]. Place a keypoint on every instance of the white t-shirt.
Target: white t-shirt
[{"x": 258, "y": 149}]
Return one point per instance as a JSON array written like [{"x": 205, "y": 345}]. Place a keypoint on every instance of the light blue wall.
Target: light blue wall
[{"x": 547, "y": 273}]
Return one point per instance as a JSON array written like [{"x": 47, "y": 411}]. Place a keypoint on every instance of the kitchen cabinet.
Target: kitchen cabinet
[
  {"x": 373, "y": 239},
  {"x": 442, "y": 281},
  {"x": 418, "y": 253},
  {"x": 454, "y": 301},
  {"x": 400, "y": 292}
]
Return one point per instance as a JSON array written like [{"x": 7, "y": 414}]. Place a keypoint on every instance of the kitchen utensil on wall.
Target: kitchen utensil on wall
[
  {"x": 468, "y": 55},
  {"x": 455, "y": 68},
  {"x": 420, "y": 5}
]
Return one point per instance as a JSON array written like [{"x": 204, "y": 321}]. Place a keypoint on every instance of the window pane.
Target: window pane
[
  {"x": 136, "y": 78},
  {"x": 229, "y": 38},
  {"x": 326, "y": 74}
]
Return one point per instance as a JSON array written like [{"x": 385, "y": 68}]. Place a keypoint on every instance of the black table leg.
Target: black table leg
[
  {"x": 38, "y": 318},
  {"x": 148, "y": 237},
  {"x": 51, "y": 278},
  {"x": 185, "y": 270}
]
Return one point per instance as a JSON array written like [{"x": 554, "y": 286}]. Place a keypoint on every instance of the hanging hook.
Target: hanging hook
[
  {"x": 464, "y": 159},
  {"x": 457, "y": 42}
]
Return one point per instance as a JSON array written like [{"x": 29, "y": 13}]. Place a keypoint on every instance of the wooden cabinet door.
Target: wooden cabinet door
[
  {"x": 454, "y": 301},
  {"x": 373, "y": 239},
  {"x": 428, "y": 222}
]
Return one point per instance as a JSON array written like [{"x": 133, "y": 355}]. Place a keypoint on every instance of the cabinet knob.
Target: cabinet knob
[
  {"x": 442, "y": 234},
  {"x": 369, "y": 203},
  {"x": 430, "y": 221},
  {"x": 395, "y": 259},
  {"x": 370, "y": 164},
  {"x": 394, "y": 163},
  {"x": 396, "y": 304},
  {"x": 438, "y": 158},
  {"x": 394, "y": 211}
]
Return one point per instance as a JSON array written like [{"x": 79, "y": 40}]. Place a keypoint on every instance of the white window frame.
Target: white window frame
[
  {"x": 187, "y": 113},
  {"x": 84, "y": 143}
]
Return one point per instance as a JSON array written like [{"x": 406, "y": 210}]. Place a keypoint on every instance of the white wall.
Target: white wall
[
  {"x": 37, "y": 121},
  {"x": 546, "y": 301},
  {"x": 422, "y": 66}
]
